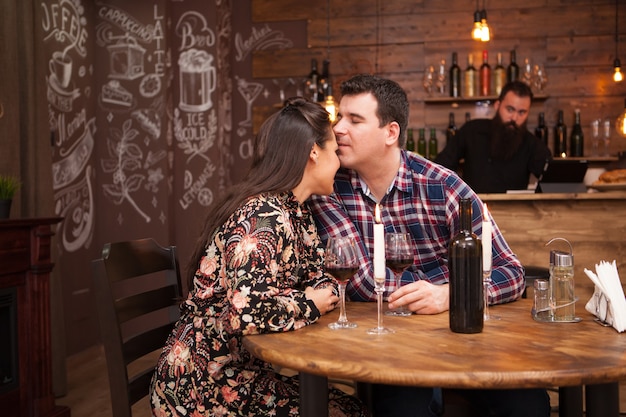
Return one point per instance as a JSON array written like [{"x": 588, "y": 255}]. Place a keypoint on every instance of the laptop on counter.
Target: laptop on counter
[{"x": 563, "y": 176}]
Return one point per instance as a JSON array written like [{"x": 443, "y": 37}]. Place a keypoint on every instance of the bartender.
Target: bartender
[{"x": 498, "y": 154}]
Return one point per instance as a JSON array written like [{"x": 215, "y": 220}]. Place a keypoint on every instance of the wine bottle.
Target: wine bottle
[
  {"x": 432, "y": 144},
  {"x": 451, "y": 129},
  {"x": 466, "y": 279},
  {"x": 323, "y": 81},
  {"x": 560, "y": 137},
  {"x": 455, "y": 77},
  {"x": 470, "y": 82},
  {"x": 577, "y": 140},
  {"x": 312, "y": 81},
  {"x": 512, "y": 71},
  {"x": 541, "y": 131},
  {"x": 499, "y": 76},
  {"x": 421, "y": 142},
  {"x": 485, "y": 76},
  {"x": 410, "y": 142}
]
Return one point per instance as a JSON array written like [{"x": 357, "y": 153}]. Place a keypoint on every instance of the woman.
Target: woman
[{"x": 257, "y": 268}]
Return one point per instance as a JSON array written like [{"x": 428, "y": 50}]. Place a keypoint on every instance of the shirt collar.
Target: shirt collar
[{"x": 402, "y": 181}]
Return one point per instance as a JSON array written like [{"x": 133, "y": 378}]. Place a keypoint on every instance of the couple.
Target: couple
[{"x": 258, "y": 264}]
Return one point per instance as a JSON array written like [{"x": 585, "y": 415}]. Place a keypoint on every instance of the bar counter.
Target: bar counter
[{"x": 594, "y": 223}]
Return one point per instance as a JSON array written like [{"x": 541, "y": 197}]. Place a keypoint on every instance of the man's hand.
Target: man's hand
[{"x": 421, "y": 297}]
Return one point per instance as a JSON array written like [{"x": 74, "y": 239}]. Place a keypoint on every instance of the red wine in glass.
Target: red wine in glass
[{"x": 343, "y": 274}]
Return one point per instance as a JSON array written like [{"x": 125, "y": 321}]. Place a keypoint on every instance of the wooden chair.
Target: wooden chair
[{"x": 138, "y": 293}]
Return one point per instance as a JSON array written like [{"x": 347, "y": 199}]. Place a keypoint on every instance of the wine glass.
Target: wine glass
[
  {"x": 606, "y": 136},
  {"x": 341, "y": 261},
  {"x": 595, "y": 137},
  {"x": 429, "y": 80},
  {"x": 398, "y": 257}
]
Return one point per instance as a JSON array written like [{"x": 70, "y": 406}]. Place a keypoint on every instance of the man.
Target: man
[
  {"x": 499, "y": 154},
  {"x": 420, "y": 198}
]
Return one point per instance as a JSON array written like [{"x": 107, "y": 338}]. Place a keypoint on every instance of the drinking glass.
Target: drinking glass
[
  {"x": 341, "y": 261},
  {"x": 429, "y": 80},
  {"x": 595, "y": 137},
  {"x": 540, "y": 79},
  {"x": 606, "y": 136},
  {"x": 398, "y": 257}
]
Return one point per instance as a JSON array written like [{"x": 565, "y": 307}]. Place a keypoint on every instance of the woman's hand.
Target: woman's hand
[{"x": 324, "y": 298}]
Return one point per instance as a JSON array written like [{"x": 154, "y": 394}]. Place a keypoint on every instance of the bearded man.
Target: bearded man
[{"x": 498, "y": 154}]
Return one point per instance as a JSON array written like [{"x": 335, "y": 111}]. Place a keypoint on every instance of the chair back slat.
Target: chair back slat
[{"x": 138, "y": 292}]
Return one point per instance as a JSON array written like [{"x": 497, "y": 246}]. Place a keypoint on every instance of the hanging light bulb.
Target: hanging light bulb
[
  {"x": 620, "y": 124},
  {"x": 485, "y": 34},
  {"x": 330, "y": 104},
  {"x": 477, "y": 30},
  {"x": 617, "y": 75},
  {"x": 617, "y": 70}
]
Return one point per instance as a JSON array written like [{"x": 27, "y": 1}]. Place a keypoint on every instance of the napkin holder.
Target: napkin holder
[
  {"x": 607, "y": 303},
  {"x": 600, "y": 306}
]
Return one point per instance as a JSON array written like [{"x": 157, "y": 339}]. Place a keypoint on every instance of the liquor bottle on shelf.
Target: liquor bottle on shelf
[
  {"x": 577, "y": 140},
  {"x": 324, "y": 80},
  {"x": 560, "y": 137},
  {"x": 499, "y": 76},
  {"x": 455, "y": 77},
  {"x": 470, "y": 81},
  {"x": 451, "y": 129},
  {"x": 466, "y": 276},
  {"x": 541, "y": 131},
  {"x": 410, "y": 142},
  {"x": 432, "y": 144},
  {"x": 485, "y": 76},
  {"x": 312, "y": 82},
  {"x": 512, "y": 71},
  {"x": 468, "y": 116},
  {"x": 421, "y": 142}
]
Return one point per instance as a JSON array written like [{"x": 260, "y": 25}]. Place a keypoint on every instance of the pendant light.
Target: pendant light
[
  {"x": 477, "y": 30},
  {"x": 617, "y": 70},
  {"x": 329, "y": 102}
]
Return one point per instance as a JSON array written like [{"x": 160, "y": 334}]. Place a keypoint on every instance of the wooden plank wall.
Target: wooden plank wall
[{"x": 574, "y": 39}]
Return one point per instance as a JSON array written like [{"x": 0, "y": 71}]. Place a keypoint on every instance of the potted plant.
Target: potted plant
[{"x": 8, "y": 187}]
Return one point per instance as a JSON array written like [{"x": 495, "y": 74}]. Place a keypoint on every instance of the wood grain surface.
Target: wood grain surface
[{"x": 513, "y": 352}]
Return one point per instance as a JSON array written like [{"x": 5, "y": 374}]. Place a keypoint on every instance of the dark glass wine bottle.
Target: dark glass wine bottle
[
  {"x": 312, "y": 82},
  {"x": 455, "y": 77},
  {"x": 560, "y": 137},
  {"x": 470, "y": 80},
  {"x": 410, "y": 142},
  {"x": 466, "y": 276},
  {"x": 451, "y": 129},
  {"x": 485, "y": 76},
  {"x": 512, "y": 71},
  {"x": 541, "y": 131},
  {"x": 577, "y": 140},
  {"x": 432, "y": 144},
  {"x": 499, "y": 76},
  {"x": 421, "y": 142}
]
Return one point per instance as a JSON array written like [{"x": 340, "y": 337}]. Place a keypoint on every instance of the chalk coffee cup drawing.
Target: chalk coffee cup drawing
[
  {"x": 197, "y": 80},
  {"x": 61, "y": 68}
]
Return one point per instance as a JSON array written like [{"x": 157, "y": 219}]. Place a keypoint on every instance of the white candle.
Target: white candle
[
  {"x": 486, "y": 239},
  {"x": 379, "y": 246}
]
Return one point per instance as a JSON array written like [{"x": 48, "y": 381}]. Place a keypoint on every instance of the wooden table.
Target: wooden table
[{"x": 513, "y": 352}]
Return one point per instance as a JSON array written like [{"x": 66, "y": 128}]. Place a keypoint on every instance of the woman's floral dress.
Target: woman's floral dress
[{"x": 251, "y": 280}]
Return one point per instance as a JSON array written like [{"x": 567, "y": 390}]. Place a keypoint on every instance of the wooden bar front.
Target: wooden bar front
[{"x": 594, "y": 223}]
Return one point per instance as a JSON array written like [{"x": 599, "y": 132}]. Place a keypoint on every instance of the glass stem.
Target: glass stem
[
  {"x": 379, "y": 301},
  {"x": 342, "y": 303},
  {"x": 486, "y": 279}
]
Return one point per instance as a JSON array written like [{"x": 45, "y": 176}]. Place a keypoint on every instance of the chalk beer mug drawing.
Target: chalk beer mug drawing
[{"x": 197, "y": 80}]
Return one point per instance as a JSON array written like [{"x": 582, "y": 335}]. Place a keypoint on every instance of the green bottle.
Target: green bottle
[
  {"x": 421, "y": 143},
  {"x": 432, "y": 144},
  {"x": 410, "y": 143}
]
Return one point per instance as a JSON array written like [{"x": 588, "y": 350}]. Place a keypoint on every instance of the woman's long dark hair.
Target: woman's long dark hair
[{"x": 281, "y": 151}]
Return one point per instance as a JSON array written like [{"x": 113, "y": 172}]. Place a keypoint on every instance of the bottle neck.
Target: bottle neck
[{"x": 465, "y": 208}]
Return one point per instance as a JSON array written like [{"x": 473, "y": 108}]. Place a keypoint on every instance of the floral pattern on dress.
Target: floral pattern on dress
[{"x": 251, "y": 280}]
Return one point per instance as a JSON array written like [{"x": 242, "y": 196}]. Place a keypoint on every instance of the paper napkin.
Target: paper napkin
[{"x": 607, "y": 302}]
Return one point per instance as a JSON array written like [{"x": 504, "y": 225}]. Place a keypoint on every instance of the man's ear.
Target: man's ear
[{"x": 393, "y": 132}]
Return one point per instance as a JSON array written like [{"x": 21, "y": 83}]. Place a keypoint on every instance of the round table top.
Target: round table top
[{"x": 513, "y": 352}]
